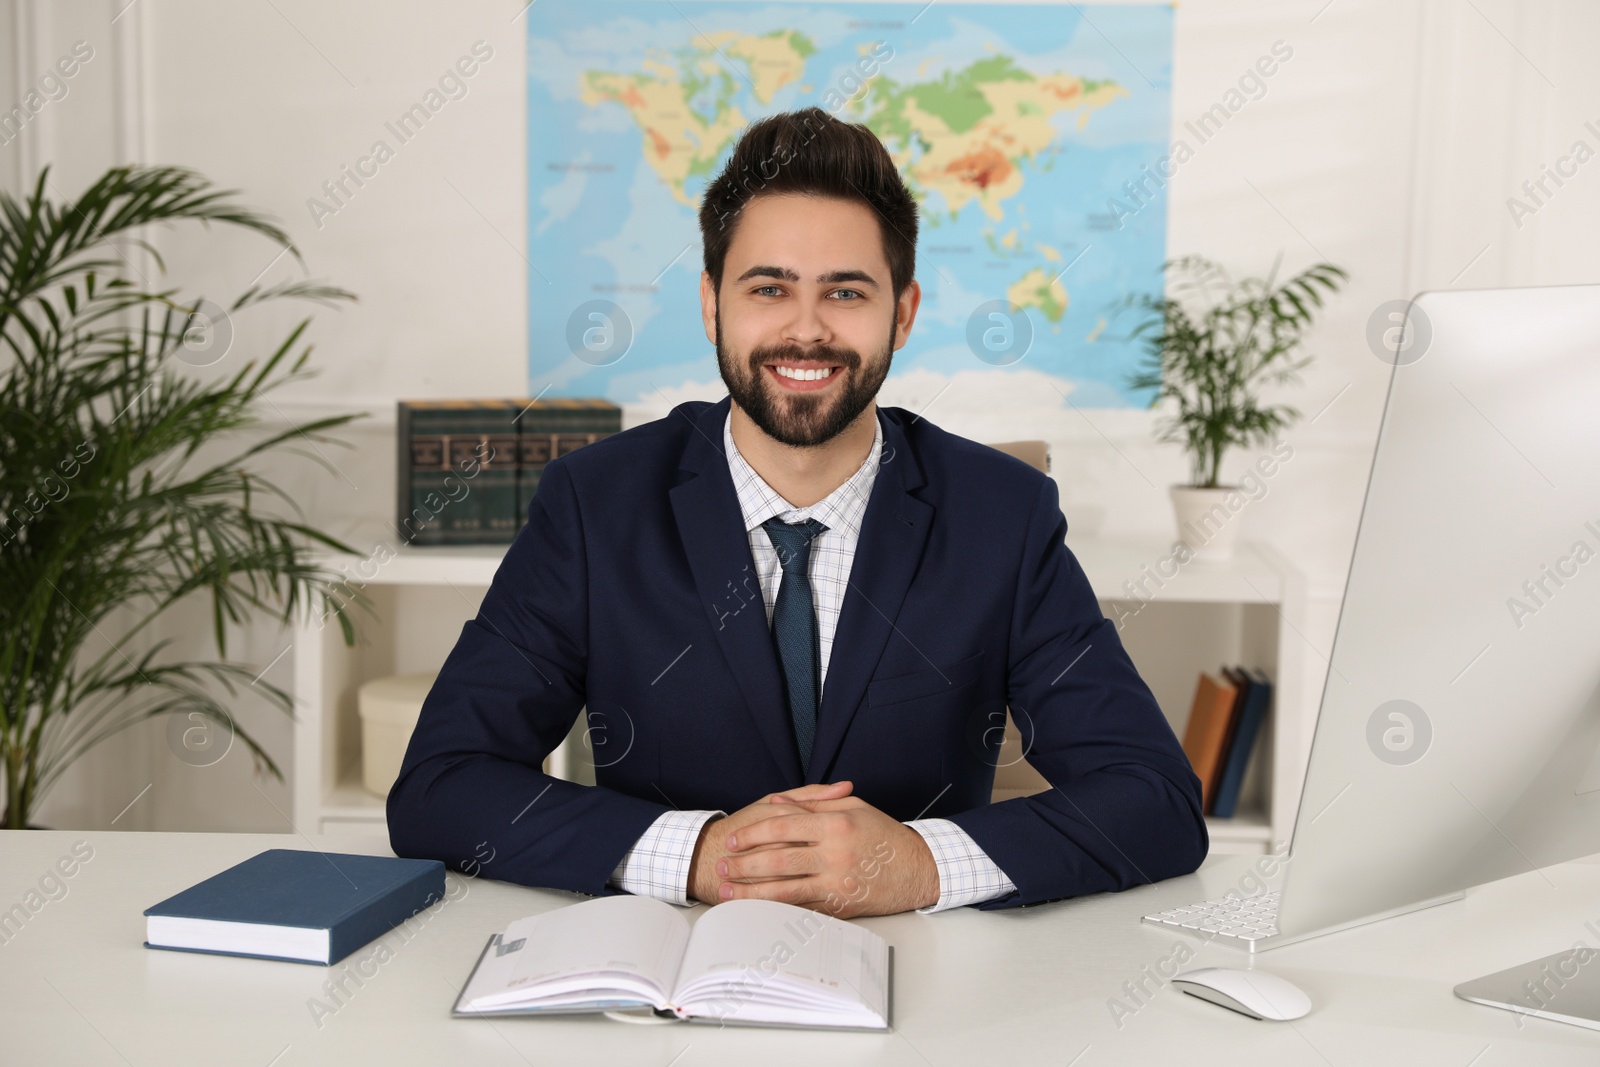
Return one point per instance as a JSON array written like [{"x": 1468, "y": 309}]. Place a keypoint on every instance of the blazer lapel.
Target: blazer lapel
[
  {"x": 711, "y": 525},
  {"x": 894, "y": 533}
]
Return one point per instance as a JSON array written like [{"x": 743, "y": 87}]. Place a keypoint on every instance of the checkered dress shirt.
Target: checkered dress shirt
[{"x": 658, "y": 863}]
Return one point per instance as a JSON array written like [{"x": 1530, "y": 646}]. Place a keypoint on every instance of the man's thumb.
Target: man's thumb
[{"x": 815, "y": 791}]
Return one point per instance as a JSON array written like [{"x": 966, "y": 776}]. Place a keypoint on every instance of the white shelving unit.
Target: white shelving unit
[
  {"x": 1201, "y": 615},
  {"x": 422, "y": 597},
  {"x": 1178, "y": 620}
]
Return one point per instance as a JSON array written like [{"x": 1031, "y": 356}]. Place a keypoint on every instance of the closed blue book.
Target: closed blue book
[
  {"x": 288, "y": 904},
  {"x": 1256, "y": 701}
]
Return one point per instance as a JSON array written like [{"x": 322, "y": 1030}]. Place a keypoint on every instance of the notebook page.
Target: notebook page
[
  {"x": 759, "y": 960},
  {"x": 613, "y": 945}
]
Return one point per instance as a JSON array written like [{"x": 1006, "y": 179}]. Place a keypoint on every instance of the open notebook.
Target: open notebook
[{"x": 750, "y": 962}]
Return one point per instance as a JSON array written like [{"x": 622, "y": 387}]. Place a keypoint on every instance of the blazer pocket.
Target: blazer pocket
[{"x": 929, "y": 683}]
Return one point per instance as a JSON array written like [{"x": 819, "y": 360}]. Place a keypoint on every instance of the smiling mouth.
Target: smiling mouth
[{"x": 804, "y": 372}]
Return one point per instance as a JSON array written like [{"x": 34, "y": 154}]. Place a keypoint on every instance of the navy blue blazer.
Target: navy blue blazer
[{"x": 632, "y": 591}]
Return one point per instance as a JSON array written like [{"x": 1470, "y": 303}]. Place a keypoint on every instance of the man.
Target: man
[{"x": 796, "y": 620}]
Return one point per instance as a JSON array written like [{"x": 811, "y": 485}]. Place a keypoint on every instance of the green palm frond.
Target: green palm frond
[
  {"x": 101, "y": 506},
  {"x": 1213, "y": 343}
]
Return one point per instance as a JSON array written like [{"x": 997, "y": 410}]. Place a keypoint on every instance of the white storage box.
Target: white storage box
[{"x": 389, "y": 708}]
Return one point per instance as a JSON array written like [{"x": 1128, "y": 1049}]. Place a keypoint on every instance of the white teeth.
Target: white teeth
[{"x": 803, "y": 375}]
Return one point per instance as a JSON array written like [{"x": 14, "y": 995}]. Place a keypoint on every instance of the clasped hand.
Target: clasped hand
[{"x": 818, "y": 847}]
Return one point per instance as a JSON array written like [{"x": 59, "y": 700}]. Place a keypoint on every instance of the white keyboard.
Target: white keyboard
[{"x": 1245, "y": 920}]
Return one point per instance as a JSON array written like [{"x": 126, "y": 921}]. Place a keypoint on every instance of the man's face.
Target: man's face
[{"x": 805, "y": 289}]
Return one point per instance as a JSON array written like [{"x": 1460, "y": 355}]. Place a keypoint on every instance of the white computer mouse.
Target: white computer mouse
[{"x": 1254, "y": 993}]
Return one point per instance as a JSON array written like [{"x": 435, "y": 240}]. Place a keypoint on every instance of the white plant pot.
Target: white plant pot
[{"x": 1209, "y": 519}]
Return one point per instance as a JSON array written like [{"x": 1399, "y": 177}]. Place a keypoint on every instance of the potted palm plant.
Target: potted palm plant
[
  {"x": 1211, "y": 344},
  {"x": 103, "y": 504}
]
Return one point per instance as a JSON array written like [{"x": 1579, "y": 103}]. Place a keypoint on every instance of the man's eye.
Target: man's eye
[{"x": 773, "y": 290}]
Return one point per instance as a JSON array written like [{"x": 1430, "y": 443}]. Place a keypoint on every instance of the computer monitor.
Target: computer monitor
[{"x": 1458, "y": 739}]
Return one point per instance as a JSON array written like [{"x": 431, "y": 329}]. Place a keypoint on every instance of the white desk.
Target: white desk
[{"x": 1023, "y": 986}]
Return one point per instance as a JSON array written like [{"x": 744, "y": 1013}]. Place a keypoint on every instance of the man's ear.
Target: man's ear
[
  {"x": 905, "y": 313},
  {"x": 708, "y": 306}
]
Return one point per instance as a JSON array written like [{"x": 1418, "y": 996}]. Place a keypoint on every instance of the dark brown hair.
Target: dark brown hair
[{"x": 810, "y": 152}]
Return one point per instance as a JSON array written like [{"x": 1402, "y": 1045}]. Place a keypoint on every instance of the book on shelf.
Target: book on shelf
[
  {"x": 466, "y": 470},
  {"x": 743, "y": 963},
  {"x": 422, "y": 430},
  {"x": 496, "y": 520},
  {"x": 1210, "y": 716},
  {"x": 1253, "y": 712},
  {"x": 295, "y": 905},
  {"x": 1235, "y": 677}
]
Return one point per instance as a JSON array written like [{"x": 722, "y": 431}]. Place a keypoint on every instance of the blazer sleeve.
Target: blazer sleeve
[
  {"x": 470, "y": 790},
  {"x": 1125, "y": 806}
]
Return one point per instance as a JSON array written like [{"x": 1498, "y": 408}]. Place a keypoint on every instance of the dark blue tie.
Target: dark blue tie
[{"x": 794, "y": 626}]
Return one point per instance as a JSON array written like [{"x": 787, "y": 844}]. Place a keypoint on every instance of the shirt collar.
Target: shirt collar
[{"x": 839, "y": 510}]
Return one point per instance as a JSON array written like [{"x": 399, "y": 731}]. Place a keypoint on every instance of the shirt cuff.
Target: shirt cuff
[
  {"x": 966, "y": 873},
  {"x": 658, "y": 863}
]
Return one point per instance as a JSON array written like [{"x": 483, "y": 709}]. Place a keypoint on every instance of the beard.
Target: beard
[{"x": 803, "y": 420}]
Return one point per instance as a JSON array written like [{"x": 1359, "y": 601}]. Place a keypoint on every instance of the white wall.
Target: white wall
[{"x": 1388, "y": 144}]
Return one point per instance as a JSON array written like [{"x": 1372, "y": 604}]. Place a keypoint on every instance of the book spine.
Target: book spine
[
  {"x": 402, "y": 467},
  {"x": 427, "y": 457},
  {"x": 452, "y": 483},
  {"x": 1257, "y": 702},
  {"x": 1241, "y": 689},
  {"x": 461, "y": 515},
  {"x": 385, "y": 913},
  {"x": 497, "y": 482},
  {"x": 466, "y": 521}
]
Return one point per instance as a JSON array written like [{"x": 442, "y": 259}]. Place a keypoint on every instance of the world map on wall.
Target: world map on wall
[{"x": 1028, "y": 134}]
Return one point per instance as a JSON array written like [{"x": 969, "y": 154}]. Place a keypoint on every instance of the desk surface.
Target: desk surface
[{"x": 1022, "y": 986}]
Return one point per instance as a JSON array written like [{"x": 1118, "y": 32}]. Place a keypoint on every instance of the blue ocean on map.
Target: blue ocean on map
[{"x": 1030, "y": 135}]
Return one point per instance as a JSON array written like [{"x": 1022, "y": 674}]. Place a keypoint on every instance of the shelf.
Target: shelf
[
  {"x": 1249, "y": 826},
  {"x": 350, "y": 800},
  {"x": 1184, "y": 617},
  {"x": 1147, "y": 568},
  {"x": 389, "y": 564},
  {"x": 1121, "y": 568}
]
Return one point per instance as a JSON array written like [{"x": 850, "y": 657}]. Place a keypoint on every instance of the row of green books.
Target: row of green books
[{"x": 467, "y": 469}]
